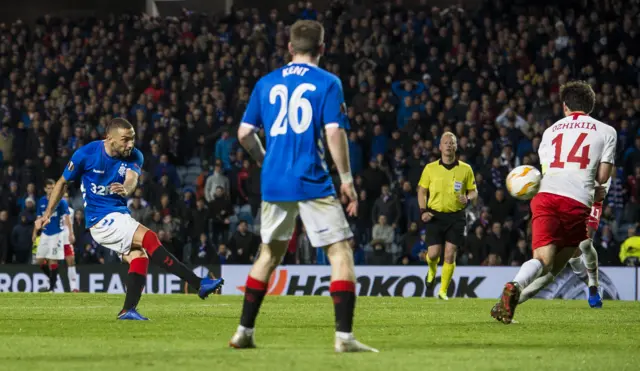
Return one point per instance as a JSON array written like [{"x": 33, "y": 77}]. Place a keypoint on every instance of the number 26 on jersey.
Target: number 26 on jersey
[{"x": 295, "y": 110}]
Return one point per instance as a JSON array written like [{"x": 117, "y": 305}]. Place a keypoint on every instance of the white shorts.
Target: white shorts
[
  {"x": 323, "y": 219},
  {"x": 50, "y": 247},
  {"x": 115, "y": 232}
]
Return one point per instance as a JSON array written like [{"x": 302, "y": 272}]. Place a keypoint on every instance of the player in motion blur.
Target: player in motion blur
[
  {"x": 578, "y": 263},
  {"x": 50, "y": 251},
  {"x": 68, "y": 239},
  {"x": 297, "y": 105},
  {"x": 577, "y": 156},
  {"x": 109, "y": 171}
]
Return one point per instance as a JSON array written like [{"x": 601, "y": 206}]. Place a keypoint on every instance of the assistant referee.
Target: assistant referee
[{"x": 445, "y": 188}]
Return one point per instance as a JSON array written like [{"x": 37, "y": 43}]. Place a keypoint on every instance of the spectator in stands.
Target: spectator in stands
[
  {"x": 244, "y": 244},
  {"x": 21, "y": 239},
  {"x": 220, "y": 210},
  {"x": 215, "y": 180},
  {"x": 475, "y": 248},
  {"x": 202, "y": 252},
  {"x": 387, "y": 205},
  {"x": 498, "y": 245},
  {"x": 5, "y": 234},
  {"x": 630, "y": 248}
]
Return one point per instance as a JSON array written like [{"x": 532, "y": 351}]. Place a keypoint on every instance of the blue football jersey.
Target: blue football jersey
[
  {"x": 294, "y": 104},
  {"x": 97, "y": 171},
  {"x": 55, "y": 223}
]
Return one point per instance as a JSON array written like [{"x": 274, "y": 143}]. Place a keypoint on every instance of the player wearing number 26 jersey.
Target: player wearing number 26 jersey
[
  {"x": 577, "y": 155},
  {"x": 299, "y": 106}
]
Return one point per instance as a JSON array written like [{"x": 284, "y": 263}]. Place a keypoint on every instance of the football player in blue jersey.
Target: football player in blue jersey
[
  {"x": 299, "y": 106},
  {"x": 50, "y": 249},
  {"x": 108, "y": 171}
]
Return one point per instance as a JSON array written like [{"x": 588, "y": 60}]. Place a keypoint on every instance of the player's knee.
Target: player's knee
[
  {"x": 269, "y": 257},
  {"x": 134, "y": 254},
  {"x": 450, "y": 253},
  {"x": 340, "y": 254},
  {"x": 434, "y": 251}
]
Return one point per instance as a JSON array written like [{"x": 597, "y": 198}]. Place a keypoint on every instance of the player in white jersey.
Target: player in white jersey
[
  {"x": 298, "y": 106},
  {"x": 68, "y": 239},
  {"x": 577, "y": 155}
]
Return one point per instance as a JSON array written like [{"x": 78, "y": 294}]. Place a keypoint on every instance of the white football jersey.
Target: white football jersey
[{"x": 571, "y": 151}]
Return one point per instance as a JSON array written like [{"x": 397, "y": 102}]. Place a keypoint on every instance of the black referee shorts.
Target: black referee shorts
[{"x": 446, "y": 227}]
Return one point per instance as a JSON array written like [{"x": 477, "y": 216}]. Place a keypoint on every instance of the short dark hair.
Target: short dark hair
[
  {"x": 119, "y": 123},
  {"x": 307, "y": 37},
  {"x": 578, "y": 96},
  {"x": 49, "y": 182}
]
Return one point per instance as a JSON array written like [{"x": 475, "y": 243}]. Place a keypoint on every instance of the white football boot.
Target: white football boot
[{"x": 347, "y": 343}]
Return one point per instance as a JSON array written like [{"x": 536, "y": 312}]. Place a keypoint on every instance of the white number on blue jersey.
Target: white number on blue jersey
[
  {"x": 288, "y": 113},
  {"x": 100, "y": 190}
]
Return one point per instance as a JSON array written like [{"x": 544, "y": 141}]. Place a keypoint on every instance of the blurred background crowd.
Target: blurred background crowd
[{"x": 490, "y": 75}]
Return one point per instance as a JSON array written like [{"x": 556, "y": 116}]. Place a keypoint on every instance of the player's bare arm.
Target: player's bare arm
[
  {"x": 129, "y": 185},
  {"x": 251, "y": 143},
  {"x": 604, "y": 172},
  {"x": 337, "y": 143},
  {"x": 54, "y": 200}
]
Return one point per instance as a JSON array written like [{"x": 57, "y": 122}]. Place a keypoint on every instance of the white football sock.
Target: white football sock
[
  {"x": 590, "y": 256},
  {"x": 579, "y": 269},
  {"x": 73, "y": 278},
  {"x": 346, "y": 336},
  {"x": 529, "y": 271},
  {"x": 535, "y": 287},
  {"x": 245, "y": 330}
]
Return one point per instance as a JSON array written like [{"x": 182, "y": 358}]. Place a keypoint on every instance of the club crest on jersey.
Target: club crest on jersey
[
  {"x": 122, "y": 170},
  {"x": 457, "y": 186}
]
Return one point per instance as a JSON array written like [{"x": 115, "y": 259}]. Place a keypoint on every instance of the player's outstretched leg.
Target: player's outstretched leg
[
  {"x": 136, "y": 279},
  {"x": 541, "y": 263},
  {"x": 158, "y": 255},
  {"x": 535, "y": 287},
  {"x": 343, "y": 293},
  {"x": 255, "y": 289},
  {"x": 590, "y": 256}
]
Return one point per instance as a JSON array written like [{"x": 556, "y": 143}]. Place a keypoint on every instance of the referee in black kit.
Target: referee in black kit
[{"x": 445, "y": 188}]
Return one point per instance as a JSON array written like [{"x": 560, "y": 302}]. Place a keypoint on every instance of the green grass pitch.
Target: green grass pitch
[{"x": 79, "y": 332}]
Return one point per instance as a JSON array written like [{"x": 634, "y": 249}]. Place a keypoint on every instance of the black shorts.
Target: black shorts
[{"x": 446, "y": 227}]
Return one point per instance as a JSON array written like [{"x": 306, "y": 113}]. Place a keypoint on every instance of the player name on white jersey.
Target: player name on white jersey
[{"x": 574, "y": 125}]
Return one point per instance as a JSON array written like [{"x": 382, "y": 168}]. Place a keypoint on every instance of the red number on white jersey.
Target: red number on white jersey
[{"x": 583, "y": 159}]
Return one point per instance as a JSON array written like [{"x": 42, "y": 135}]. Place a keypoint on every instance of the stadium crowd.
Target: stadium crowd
[{"x": 491, "y": 76}]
